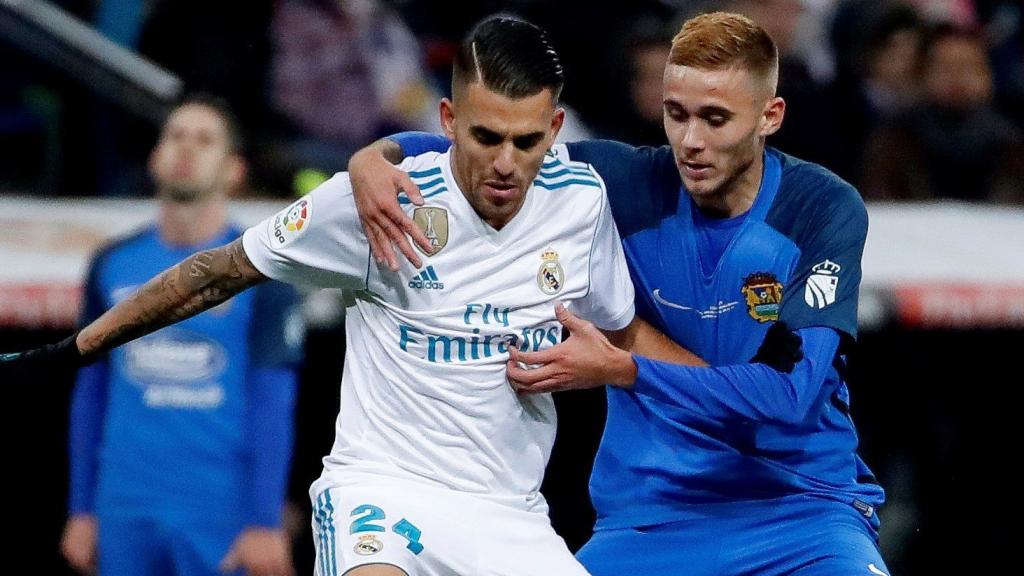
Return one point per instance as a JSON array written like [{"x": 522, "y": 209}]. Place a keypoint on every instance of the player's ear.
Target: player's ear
[
  {"x": 556, "y": 124},
  {"x": 447, "y": 111},
  {"x": 771, "y": 116}
]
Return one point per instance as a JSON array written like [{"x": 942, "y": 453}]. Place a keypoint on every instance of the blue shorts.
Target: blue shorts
[
  {"x": 805, "y": 537},
  {"x": 155, "y": 546}
]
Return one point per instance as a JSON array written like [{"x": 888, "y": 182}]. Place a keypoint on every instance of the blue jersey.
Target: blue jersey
[
  {"x": 165, "y": 424},
  {"x": 684, "y": 437}
]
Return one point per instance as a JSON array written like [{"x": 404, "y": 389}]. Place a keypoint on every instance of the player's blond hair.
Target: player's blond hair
[{"x": 720, "y": 40}]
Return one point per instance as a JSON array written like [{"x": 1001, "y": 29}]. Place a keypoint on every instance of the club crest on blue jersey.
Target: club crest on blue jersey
[
  {"x": 763, "y": 293},
  {"x": 550, "y": 276},
  {"x": 368, "y": 544},
  {"x": 820, "y": 290},
  {"x": 290, "y": 222},
  {"x": 433, "y": 221}
]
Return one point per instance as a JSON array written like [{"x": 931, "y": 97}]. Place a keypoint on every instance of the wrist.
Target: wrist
[
  {"x": 625, "y": 370},
  {"x": 364, "y": 159}
]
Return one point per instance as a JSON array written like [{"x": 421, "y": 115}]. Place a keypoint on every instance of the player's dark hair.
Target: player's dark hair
[
  {"x": 509, "y": 56},
  {"x": 220, "y": 106}
]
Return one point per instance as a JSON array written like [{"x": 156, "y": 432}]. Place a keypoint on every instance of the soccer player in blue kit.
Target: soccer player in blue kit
[
  {"x": 736, "y": 468},
  {"x": 180, "y": 441}
]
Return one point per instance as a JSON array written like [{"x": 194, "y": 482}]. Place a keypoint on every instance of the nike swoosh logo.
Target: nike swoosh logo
[
  {"x": 874, "y": 570},
  {"x": 657, "y": 296},
  {"x": 712, "y": 312}
]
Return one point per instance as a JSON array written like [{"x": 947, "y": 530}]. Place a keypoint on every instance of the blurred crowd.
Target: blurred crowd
[{"x": 907, "y": 99}]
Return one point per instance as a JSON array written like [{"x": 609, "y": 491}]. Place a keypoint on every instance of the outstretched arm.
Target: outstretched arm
[
  {"x": 198, "y": 283},
  {"x": 643, "y": 359},
  {"x": 753, "y": 391}
]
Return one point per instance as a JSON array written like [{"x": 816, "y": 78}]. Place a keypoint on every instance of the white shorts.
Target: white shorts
[{"x": 431, "y": 531}]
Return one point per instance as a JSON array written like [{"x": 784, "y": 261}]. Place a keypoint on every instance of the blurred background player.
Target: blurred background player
[
  {"x": 180, "y": 442},
  {"x": 953, "y": 143}
]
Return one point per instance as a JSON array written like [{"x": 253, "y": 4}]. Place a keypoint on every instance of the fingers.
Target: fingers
[
  {"x": 568, "y": 319},
  {"x": 394, "y": 223},
  {"x": 410, "y": 188},
  {"x": 383, "y": 236},
  {"x": 403, "y": 221},
  {"x": 542, "y": 387},
  {"x": 380, "y": 246},
  {"x": 530, "y": 376},
  {"x": 545, "y": 356}
]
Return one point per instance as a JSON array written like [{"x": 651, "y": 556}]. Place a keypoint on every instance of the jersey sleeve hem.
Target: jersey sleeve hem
[
  {"x": 254, "y": 252},
  {"x": 620, "y": 320}
]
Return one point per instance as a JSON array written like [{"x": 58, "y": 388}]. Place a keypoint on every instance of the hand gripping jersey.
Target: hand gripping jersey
[{"x": 424, "y": 394}]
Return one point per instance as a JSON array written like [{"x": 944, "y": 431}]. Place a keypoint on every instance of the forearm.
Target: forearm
[
  {"x": 644, "y": 339},
  {"x": 198, "y": 283},
  {"x": 754, "y": 392}
]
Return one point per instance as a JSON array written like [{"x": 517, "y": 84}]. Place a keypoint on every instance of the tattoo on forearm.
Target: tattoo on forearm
[
  {"x": 198, "y": 283},
  {"x": 200, "y": 263}
]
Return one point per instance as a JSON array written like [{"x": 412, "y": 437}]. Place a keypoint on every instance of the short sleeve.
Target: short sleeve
[
  {"x": 826, "y": 281},
  {"x": 609, "y": 300},
  {"x": 317, "y": 241}
]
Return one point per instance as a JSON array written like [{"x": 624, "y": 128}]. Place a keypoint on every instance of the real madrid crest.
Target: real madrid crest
[
  {"x": 550, "y": 276},
  {"x": 763, "y": 292},
  {"x": 433, "y": 221},
  {"x": 367, "y": 545}
]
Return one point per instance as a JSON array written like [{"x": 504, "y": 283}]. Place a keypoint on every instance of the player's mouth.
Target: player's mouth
[
  {"x": 501, "y": 192},
  {"x": 695, "y": 170}
]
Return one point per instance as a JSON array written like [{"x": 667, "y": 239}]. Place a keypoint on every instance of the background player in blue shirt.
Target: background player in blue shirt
[
  {"x": 738, "y": 468},
  {"x": 180, "y": 442}
]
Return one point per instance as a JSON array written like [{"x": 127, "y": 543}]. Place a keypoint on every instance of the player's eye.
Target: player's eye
[
  {"x": 527, "y": 142},
  {"x": 717, "y": 120},
  {"x": 486, "y": 137},
  {"x": 675, "y": 113}
]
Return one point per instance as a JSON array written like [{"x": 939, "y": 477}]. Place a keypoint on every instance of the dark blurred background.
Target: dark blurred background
[{"x": 920, "y": 104}]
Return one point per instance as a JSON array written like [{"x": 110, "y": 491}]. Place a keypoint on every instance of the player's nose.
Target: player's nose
[
  {"x": 693, "y": 137},
  {"x": 504, "y": 162}
]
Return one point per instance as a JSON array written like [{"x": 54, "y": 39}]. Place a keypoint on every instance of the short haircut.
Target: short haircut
[
  {"x": 509, "y": 56},
  {"x": 720, "y": 40},
  {"x": 220, "y": 107}
]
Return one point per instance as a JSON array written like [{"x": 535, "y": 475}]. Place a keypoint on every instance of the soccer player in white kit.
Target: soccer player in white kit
[{"x": 437, "y": 462}]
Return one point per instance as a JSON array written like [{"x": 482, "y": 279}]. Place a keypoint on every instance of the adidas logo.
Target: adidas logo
[{"x": 426, "y": 280}]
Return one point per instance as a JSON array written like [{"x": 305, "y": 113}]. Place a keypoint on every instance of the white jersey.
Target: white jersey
[{"x": 424, "y": 393}]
